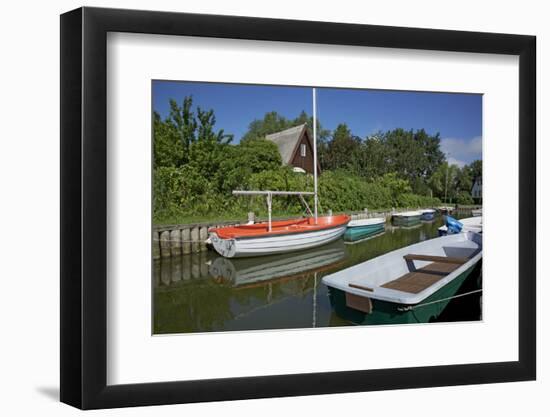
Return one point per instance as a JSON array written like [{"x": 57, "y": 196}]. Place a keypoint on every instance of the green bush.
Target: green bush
[
  {"x": 464, "y": 197},
  {"x": 182, "y": 193}
]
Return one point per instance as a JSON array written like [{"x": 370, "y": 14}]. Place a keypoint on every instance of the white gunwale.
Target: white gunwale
[{"x": 375, "y": 273}]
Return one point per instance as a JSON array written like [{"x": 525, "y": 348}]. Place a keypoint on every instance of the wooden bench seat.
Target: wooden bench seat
[
  {"x": 440, "y": 259},
  {"x": 420, "y": 279}
]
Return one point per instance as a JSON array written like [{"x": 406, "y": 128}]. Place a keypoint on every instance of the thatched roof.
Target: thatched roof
[{"x": 287, "y": 141}]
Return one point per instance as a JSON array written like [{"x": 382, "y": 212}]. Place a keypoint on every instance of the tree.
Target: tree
[
  {"x": 272, "y": 122},
  {"x": 413, "y": 155},
  {"x": 183, "y": 121},
  {"x": 243, "y": 160},
  {"x": 476, "y": 168},
  {"x": 208, "y": 150},
  {"x": 343, "y": 150},
  {"x": 374, "y": 156},
  {"x": 168, "y": 150},
  {"x": 444, "y": 182},
  {"x": 464, "y": 179},
  {"x": 184, "y": 138}
]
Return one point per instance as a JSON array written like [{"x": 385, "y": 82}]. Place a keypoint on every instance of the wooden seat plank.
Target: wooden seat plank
[
  {"x": 417, "y": 281},
  {"x": 440, "y": 259}
]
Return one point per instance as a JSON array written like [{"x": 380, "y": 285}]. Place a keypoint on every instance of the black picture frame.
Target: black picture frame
[{"x": 84, "y": 207}]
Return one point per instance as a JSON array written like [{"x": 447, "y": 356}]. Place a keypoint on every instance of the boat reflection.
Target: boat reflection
[
  {"x": 203, "y": 292},
  {"x": 247, "y": 271},
  {"x": 211, "y": 293}
]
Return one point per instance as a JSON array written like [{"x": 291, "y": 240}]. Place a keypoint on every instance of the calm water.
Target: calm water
[{"x": 205, "y": 292}]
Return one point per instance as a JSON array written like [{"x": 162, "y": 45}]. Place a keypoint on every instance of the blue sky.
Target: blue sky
[{"x": 457, "y": 117}]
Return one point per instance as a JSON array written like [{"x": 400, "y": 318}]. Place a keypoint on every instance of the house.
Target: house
[
  {"x": 476, "y": 189},
  {"x": 296, "y": 147}
]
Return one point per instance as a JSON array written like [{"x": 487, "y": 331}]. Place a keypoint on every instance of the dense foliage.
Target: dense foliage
[{"x": 196, "y": 168}]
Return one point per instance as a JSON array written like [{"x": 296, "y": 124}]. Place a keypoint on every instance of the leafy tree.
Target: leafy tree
[
  {"x": 183, "y": 121},
  {"x": 464, "y": 197},
  {"x": 271, "y": 123},
  {"x": 413, "y": 155},
  {"x": 243, "y": 160},
  {"x": 196, "y": 167},
  {"x": 476, "y": 168},
  {"x": 176, "y": 137},
  {"x": 168, "y": 150},
  {"x": 374, "y": 156},
  {"x": 208, "y": 150},
  {"x": 343, "y": 150},
  {"x": 448, "y": 175},
  {"x": 464, "y": 179}
]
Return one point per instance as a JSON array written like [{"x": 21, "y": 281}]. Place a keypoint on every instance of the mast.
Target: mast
[
  {"x": 315, "y": 198},
  {"x": 446, "y": 175}
]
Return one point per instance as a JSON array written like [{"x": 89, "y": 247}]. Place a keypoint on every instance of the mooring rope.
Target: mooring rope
[{"x": 410, "y": 308}]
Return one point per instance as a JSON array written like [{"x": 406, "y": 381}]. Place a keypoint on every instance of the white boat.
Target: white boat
[
  {"x": 363, "y": 228},
  {"x": 471, "y": 224},
  {"x": 445, "y": 209},
  {"x": 411, "y": 274},
  {"x": 427, "y": 215},
  {"x": 477, "y": 212},
  {"x": 275, "y": 237},
  {"x": 406, "y": 218}
]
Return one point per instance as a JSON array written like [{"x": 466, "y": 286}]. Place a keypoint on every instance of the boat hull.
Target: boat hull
[
  {"x": 428, "y": 216},
  {"x": 353, "y": 234},
  {"x": 406, "y": 220},
  {"x": 378, "y": 278},
  {"x": 276, "y": 244},
  {"x": 384, "y": 312}
]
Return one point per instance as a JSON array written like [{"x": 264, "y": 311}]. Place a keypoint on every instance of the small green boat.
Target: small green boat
[
  {"x": 367, "y": 311},
  {"x": 407, "y": 218},
  {"x": 364, "y": 228},
  {"x": 409, "y": 285}
]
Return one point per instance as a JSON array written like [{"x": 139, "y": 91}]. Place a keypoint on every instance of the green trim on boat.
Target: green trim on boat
[
  {"x": 362, "y": 232},
  {"x": 384, "y": 312}
]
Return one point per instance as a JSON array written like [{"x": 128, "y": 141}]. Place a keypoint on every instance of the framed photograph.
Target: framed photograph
[{"x": 256, "y": 208}]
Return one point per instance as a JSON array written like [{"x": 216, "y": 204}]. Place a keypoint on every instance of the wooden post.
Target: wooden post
[
  {"x": 203, "y": 235},
  {"x": 195, "y": 247},
  {"x": 165, "y": 244},
  {"x": 156, "y": 245},
  {"x": 175, "y": 242},
  {"x": 186, "y": 237}
]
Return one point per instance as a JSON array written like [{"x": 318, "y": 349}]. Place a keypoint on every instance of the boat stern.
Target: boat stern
[{"x": 225, "y": 247}]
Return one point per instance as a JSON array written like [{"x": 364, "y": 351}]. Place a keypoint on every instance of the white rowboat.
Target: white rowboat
[
  {"x": 411, "y": 274},
  {"x": 277, "y": 237}
]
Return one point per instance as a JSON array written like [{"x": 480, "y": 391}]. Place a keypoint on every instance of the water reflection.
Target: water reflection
[
  {"x": 247, "y": 271},
  {"x": 204, "y": 292}
]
